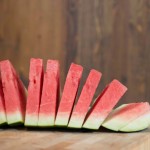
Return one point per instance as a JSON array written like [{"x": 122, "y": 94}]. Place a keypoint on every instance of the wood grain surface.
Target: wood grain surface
[
  {"x": 112, "y": 36},
  {"x": 54, "y": 139}
]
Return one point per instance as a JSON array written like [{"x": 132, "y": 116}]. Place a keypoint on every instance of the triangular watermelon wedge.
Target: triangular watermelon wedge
[
  {"x": 68, "y": 95},
  {"x": 122, "y": 116},
  {"x": 50, "y": 94},
  {"x": 14, "y": 94},
  {"x": 34, "y": 92},
  {"x": 81, "y": 108},
  {"x": 104, "y": 104},
  {"x": 3, "y": 119}
]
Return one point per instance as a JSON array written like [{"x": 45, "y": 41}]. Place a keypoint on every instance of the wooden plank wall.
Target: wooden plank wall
[{"x": 112, "y": 36}]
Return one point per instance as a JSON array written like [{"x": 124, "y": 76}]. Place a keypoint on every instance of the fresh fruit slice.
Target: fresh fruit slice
[
  {"x": 50, "y": 94},
  {"x": 121, "y": 117},
  {"x": 104, "y": 104},
  {"x": 69, "y": 95},
  {"x": 34, "y": 92},
  {"x": 138, "y": 124},
  {"x": 2, "y": 106},
  {"x": 14, "y": 94},
  {"x": 81, "y": 108}
]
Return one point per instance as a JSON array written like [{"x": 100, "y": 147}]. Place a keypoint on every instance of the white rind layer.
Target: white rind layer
[
  {"x": 138, "y": 124},
  {"x": 93, "y": 123},
  {"x": 61, "y": 121},
  {"x": 3, "y": 118},
  {"x": 31, "y": 120},
  {"x": 46, "y": 120},
  {"x": 75, "y": 122},
  {"x": 14, "y": 117},
  {"x": 117, "y": 123}
]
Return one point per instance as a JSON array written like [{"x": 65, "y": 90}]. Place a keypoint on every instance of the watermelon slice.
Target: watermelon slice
[
  {"x": 69, "y": 95},
  {"x": 125, "y": 114},
  {"x": 34, "y": 92},
  {"x": 104, "y": 104},
  {"x": 85, "y": 99},
  {"x": 2, "y": 106},
  {"x": 138, "y": 124},
  {"x": 14, "y": 94},
  {"x": 50, "y": 95}
]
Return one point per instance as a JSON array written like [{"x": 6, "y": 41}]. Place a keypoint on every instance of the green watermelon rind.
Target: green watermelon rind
[
  {"x": 3, "y": 124},
  {"x": 17, "y": 123}
]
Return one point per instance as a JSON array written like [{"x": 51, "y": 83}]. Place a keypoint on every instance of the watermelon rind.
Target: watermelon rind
[
  {"x": 125, "y": 115},
  {"x": 138, "y": 124},
  {"x": 3, "y": 118},
  {"x": 46, "y": 121},
  {"x": 113, "y": 125}
]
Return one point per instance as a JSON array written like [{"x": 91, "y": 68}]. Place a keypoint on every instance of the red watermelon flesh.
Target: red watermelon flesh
[
  {"x": 68, "y": 95},
  {"x": 34, "y": 92},
  {"x": 81, "y": 108},
  {"x": 14, "y": 93},
  {"x": 50, "y": 94},
  {"x": 2, "y": 106},
  {"x": 104, "y": 104},
  {"x": 122, "y": 116}
]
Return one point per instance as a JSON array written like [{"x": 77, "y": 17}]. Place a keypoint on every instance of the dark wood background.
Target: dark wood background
[{"x": 112, "y": 36}]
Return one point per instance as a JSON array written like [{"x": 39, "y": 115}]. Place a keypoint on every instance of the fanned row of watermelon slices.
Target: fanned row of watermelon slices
[{"x": 42, "y": 106}]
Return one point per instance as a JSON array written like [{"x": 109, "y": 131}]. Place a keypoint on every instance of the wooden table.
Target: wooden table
[{"x": 60, "y": 139}]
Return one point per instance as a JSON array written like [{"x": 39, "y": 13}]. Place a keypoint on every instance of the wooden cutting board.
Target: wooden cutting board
[{"x": 61, "y": 139}]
